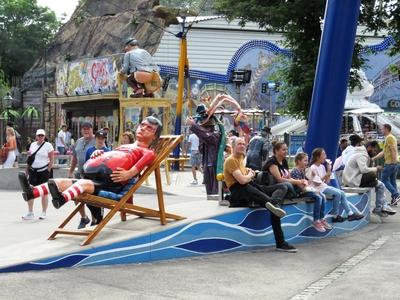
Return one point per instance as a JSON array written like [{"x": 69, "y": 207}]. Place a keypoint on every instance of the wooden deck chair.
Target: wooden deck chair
[{"x": 163, "y": 148}]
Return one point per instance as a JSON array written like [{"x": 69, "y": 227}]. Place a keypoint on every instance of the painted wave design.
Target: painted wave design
[
  {"x": 64, "y": 262},
  {"x": 210, "y": 245},
  {"x": 251, "y": 228}
]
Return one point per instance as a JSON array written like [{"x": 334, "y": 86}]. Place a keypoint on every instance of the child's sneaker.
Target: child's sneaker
[
  {"x": 42, "y": 216},
  {"x": 326, "y": 225},
  {"x": 194, "y": 182},
  {"x": 318, "y": 226},
  {"x": 28, "y": 216}
]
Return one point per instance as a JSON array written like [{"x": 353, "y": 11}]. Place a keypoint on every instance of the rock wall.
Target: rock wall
[{"x": 95, "y": 29}]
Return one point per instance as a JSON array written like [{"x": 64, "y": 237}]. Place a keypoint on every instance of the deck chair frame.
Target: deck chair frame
[{"x": 163, "y": 148}]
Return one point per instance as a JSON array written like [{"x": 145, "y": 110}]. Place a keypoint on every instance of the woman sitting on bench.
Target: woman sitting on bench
[
  {"x": 109, "y": 171},
  {"x": 278, "y": 167},
  {"x": 319, "y": 175}
]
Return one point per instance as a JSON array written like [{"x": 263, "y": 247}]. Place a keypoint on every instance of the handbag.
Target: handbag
[
  {"x": 265, "y": 178},
  {"x": 31, "y": 158},
  {"x": 4, "y": 153}
]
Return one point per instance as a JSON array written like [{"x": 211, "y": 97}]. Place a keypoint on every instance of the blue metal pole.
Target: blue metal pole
[{"x": 332, "y": 75}]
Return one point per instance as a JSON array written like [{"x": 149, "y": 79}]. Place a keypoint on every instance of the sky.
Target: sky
[{"x": 60, "y": 6}]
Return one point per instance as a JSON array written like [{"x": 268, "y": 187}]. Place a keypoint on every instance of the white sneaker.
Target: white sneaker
[
  {"x": 28, "y": 216},
  {"x": 194, "y": 182},
  {"x": 388, "y": 210},
  {"x": 42, "y": 216}
]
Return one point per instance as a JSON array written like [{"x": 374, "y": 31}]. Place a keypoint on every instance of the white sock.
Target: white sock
[{"x": 73, "y": 191}]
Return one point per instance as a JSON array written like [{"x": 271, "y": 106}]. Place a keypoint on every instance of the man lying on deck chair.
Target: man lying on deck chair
[{"x": 105, "y": 173}]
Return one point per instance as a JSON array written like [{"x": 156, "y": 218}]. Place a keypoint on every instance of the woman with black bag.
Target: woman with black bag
[{"x": 39, "y": 169}]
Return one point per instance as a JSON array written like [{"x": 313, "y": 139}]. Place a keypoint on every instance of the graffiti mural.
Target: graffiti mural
[
  {"x": 88, "y": 76},
  {"x": 386, "y": 83}
]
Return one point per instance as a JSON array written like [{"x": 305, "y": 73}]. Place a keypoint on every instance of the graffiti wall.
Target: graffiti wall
[
  {"x": 88, "y": 76},
  {"x": 386, "y": 83}
]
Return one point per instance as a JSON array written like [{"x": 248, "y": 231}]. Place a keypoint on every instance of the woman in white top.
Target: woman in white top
[
  {"x": 318, "y": 176},
  {"x": 40, "y": 170},
  {"x": 12, "y": 146}
]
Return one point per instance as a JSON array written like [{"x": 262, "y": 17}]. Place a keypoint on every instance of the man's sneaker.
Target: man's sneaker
[
  {"x": 380, "y": 213},
  {"x": 390, "y": 211},
  {"x": 275, "y": 209},
  {"x": 395, "y": 201},
  {"x": 194, "y": 182},
  {"x": 286, "y": 247},
  {"x": 326, "y": 225},
  {"x": 318, "y": 226},
  {"x": 42, "y": 216},
  {"x": 28, "y": 216},
  {"x": 84, "y": 222},
  {"x": 355, "y": 217},
  {"x": 58, "y": 198},
  {"x": 27, "y": 193},
  {"x": 338, "y": 219}
]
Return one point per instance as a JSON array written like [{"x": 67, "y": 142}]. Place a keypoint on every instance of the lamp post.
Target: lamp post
[
  {"x": 7, "y": 101},
  {"x": 183, "y": 65}
]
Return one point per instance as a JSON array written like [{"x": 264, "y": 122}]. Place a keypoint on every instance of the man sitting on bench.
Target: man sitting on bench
[{"x": 104, "y": 171}]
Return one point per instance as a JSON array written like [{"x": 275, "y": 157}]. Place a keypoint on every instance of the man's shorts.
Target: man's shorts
[{"x": 195, "y": 158}]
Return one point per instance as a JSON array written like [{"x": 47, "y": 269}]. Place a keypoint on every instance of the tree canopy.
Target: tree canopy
[
  {"x": 299, "y": 23},
  {"x": 25, "y": 29}
]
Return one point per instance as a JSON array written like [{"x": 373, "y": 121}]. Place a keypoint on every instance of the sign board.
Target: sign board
[{"x": 295, "y": 142}]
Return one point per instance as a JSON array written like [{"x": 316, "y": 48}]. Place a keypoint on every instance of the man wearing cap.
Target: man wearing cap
[
  {"x": 357, "y": 173},
  {"x": 258, "y": 149},
  {"x": 137, "y": 60},
  {"x": 79, "y": 158},
  {"x": 101, "y": 138},
  {"x": 40, "y": 170}
]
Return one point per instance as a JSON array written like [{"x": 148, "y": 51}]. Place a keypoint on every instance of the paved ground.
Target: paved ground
[{"x": 360, "y": 265}]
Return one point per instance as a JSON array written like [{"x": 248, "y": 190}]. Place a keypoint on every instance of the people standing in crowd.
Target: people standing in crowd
[
  {"x": 11, "y": 147},
  {"x": 127, "y": 138},
  {"x": 358, "y": 173},
  {"x": 348, "y": 152},
  {"x": 78, "y": 159},
  {"x": 137, "y": 60},
  {"x": 68, "y": 139},
  {"x": 100, "y": 145},
  {"x": 299, "y": 172},
  {"x": 195, "y": 156},
  {"x": 233, "y": 133},
  {"x": 342, "y": 145},
  {"x": 18, "y": 139},
  {"x": 390, "y": 155},
  {"x": 209, "y": 140},
  {"x": 106, "y": 130},
  {"x": 39, "y": 171},
  {"x": 319, "y": 175},
  {"x": 258, "y": 149},
  {"x": 278, "y": 167},
  {"x": 239, "y": 180},
  {"x": 61, "y": 143}
]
